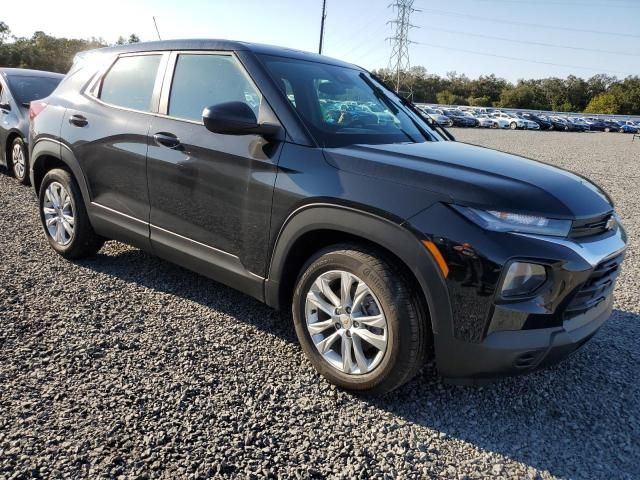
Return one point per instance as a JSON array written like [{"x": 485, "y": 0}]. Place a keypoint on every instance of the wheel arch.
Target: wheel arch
[
  {"x": 313, "y": 227},
  {"x": 48, "y": 154},
  {"x": 11, "y": 136}
]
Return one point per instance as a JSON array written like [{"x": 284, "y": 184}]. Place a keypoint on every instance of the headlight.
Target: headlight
[
  {"x": 523, "y": 279},
  {"x": 516, "y": 222}
]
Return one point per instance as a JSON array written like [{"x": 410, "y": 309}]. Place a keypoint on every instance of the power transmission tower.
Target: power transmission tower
[{"x": 399, "y": 59}]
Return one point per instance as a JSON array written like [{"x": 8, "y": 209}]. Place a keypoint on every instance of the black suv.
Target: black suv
[{"x": 386, "y": 240}]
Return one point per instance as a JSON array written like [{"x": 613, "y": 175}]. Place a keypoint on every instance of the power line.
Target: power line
[
  {"x": 474, "y": 52},
  {"x": 527, "y": 24},
  {"x": 528, "y": 42}
]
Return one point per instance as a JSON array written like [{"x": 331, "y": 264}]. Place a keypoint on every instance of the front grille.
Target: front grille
[
  {"x": 596, "y": 289},
  {"x": 590, "y": 226}
]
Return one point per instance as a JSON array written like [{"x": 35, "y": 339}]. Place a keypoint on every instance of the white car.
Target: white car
[
  {"x": 514, "y": 121},
  {"x": 502, "y": 122},
  {"x": 486, "y": 121}
]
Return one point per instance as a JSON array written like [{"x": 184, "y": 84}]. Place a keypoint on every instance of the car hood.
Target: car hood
[{"x": 477, "y": 177}]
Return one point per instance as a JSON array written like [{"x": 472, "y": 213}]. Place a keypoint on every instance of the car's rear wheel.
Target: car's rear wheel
[
  {"x": 19, "y": 161},
  {"x": 64, "y": 216},
  {"x": 359, "y": 321}
]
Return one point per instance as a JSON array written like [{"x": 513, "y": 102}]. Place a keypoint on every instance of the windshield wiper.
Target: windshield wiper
[{"x": 433, "y": 124}]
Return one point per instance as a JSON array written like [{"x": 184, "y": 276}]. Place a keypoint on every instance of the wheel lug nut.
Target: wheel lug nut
[
  {"x": 338, "y": 326},
  {"x": 348, "y": 309},
  {"x": 356, "y": 324}
]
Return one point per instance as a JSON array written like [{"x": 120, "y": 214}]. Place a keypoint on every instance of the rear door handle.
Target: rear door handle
[
  {"x": 165, "y": 139},
  {"x": 78, "y": 121}
]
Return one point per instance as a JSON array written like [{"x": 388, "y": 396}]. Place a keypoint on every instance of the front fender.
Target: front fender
[{"x": 389, "y": 235}]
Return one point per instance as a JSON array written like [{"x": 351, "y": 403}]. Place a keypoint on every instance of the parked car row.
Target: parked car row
[{"x": 495, "y": 118}]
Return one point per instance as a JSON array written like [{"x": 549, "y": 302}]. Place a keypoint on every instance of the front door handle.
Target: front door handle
[
  {"x": 78, "y": 120},
  {"x": 165, "y": 139}
]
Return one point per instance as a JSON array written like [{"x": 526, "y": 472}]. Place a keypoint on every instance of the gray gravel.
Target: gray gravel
[{"x": 127, "y": 366}]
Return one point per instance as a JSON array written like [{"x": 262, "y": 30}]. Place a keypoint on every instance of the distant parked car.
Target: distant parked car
[
  {"x": 542, "y": 123},
  {"x": 578, "y": 124},
  {"x": 506, "y": 121},
  {"x": 485, "y": 121},
  {"x": 515, "y": 122},
  {"x": 560, "y": 123},
  {"x": 626, "y": 128},
  {"x": 611, "y": 126},
  {"x": 18, "y": 88},
  {"x": 459, "y": 120},
  {"x": 439, "y": 118},
  {"x": 595, "y": 124}
]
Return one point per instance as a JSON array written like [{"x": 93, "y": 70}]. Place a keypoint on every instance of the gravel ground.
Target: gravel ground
[{"x": 127, "y": 366}]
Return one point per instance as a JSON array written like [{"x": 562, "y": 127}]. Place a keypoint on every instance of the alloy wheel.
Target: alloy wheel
[
  {"x": 346, "y": 322},
  {"x": 18, "y": 160},
  {"x": 58, "y": 213}
]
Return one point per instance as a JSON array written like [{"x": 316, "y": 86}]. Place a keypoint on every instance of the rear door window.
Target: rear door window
[
  {"x": 203, "y": 80},
  {"x": 129, "y": 82}
]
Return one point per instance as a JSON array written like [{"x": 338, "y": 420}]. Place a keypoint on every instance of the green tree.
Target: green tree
[{"x": 605, "y": 103}]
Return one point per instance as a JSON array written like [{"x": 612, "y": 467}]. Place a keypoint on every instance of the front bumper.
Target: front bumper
[
  {"x": 507, "y": 353},
  {"x": 491, "y": 337}
]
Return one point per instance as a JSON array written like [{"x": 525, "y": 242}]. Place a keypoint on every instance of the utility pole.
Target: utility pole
[
  {"x": 324, "y": 15},
  {"x": 399, "y": 59}
]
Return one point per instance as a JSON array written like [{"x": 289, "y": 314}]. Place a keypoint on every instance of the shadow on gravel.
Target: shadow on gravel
[
  {"x": 579, "y": 418},
  {"x": 137, "y": 266}
]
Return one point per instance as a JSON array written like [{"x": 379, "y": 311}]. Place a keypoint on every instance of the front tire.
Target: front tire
[
  {"x": 359, "y": 321},
  {"x": 19, "y": 161},
  {"x": 64, "y": 217},
  {"x": 513, "y": 125}
]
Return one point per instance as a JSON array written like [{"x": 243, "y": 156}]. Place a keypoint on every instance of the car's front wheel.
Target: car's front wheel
[
  {"x": 359, "y": 321},
  {"x": 513, "y": 125},
  {"x": 64, "y": 216},
  {"x": 19, "y": 162}
]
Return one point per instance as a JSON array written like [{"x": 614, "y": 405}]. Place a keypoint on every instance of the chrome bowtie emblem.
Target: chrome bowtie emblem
[{"x": 611, "y": 223}]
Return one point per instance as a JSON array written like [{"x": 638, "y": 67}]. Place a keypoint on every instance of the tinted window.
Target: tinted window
[
  {"x": 200, "y": 81},
  {"x": 343, "y": 106},
  {"x": 129, "y": 83},
  {"x": 26, "y": 89}
]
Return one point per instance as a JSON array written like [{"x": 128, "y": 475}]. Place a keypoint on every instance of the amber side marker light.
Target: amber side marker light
[{"x": 438, "y": 256}]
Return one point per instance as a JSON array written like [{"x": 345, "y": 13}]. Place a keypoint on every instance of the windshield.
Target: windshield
[
  {"x": 26, "y": 89},
  {"x": 343, "y": 106}
]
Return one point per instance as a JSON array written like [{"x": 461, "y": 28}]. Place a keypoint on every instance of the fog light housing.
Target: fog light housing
[{"x": 523, "y": 278}]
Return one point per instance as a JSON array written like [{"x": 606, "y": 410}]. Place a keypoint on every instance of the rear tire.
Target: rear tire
[
  {"x": 64, "y": 217},
  {"x": 399, "y": 339},
  {"x": 19, "y": 161}
]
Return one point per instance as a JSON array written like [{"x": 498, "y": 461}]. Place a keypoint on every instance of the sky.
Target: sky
[{"x": 511, "y": 38}]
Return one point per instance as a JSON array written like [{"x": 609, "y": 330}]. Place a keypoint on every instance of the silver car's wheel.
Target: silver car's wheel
[
  {"x": 346, "y": 322},
  {"x": 18, "y": 161},
  {"x": 58, "y": 212}
]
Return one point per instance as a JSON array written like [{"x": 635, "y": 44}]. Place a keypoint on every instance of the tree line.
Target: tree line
[
  {"x": 599, "y": 94},
  {"x": 45, "y": 52}
]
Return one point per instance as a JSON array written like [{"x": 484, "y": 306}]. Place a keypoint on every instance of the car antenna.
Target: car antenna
[{"x": 156, "y": 25}]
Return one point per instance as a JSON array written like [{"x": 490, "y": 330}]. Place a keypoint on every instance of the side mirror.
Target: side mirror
[
  {"x": 5, "y": 106},
  {"x": 236, "y": 118}
]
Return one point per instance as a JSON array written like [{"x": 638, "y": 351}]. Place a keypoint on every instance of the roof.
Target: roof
[
  {"x": 25, "y": 72},
  {"x": 218, "y": 44}
]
